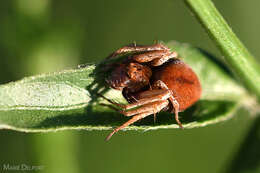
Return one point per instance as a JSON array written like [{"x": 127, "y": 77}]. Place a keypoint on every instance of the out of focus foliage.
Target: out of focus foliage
[{"x": 44, "y": 36}]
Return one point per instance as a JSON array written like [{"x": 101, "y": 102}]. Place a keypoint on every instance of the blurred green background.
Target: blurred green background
[{"x": 39, "y": 36}]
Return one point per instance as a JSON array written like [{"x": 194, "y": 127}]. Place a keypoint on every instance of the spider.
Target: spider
[{"x": 152, "y": 79}]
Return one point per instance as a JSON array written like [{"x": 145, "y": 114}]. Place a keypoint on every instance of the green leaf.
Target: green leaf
[{"x": 69, "y": 100}]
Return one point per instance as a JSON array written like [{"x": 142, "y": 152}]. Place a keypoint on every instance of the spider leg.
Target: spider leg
[
  {"x": 153, "y": 106},
  {"x": 144, "y": 98},
  {"x": 129, "y": 122},
  {"x": 154, "y": 116},
  {"x": 173, "y": 101},
  {"x": 142, "y": 113},
  {"x": 176, "y": 106},
  {"x": 133, "y": 48},
  {"x": 156, "y": 57}
]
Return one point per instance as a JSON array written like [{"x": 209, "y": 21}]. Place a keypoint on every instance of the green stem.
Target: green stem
[{"x": 241, "y": 62}]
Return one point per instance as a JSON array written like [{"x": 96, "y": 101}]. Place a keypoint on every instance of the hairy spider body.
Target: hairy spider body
[
  {"x": 181, "y": 80},
  {"x": 152, "y": 79}
]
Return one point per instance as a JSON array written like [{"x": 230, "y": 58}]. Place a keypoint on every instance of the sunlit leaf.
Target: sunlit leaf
[{"x": 69, "y": 100}]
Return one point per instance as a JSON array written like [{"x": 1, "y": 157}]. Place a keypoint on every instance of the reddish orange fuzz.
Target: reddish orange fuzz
[{"x": 181, "y": 80}]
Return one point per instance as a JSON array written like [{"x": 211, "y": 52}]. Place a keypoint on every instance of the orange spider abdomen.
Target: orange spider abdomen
[{"x": 182, "y": 80}]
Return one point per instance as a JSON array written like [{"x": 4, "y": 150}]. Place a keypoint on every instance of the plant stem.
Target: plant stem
[{"x": 241, "y": 62}]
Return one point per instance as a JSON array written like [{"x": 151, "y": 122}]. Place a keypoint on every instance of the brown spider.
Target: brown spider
[{"x": 152, "y": 79}]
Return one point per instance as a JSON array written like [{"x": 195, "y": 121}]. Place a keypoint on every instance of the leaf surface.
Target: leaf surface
[{"x": 69, "y": 100}]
